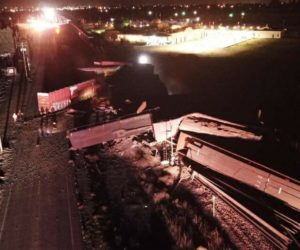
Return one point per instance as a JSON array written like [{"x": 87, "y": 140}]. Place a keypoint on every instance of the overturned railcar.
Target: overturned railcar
[{"x": 241, "y": 169}]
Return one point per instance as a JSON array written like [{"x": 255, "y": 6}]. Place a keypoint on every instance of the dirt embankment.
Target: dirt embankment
[{"x": 128, "y": 200}]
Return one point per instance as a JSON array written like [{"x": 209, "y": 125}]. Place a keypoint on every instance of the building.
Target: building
[{"x": 222, "y": 35}]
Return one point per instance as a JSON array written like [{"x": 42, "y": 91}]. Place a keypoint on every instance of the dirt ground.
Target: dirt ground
[{"x": 129, "y": 200}]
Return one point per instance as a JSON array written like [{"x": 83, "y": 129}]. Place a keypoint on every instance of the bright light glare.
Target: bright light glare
[
  {"x": 49, "y": 13},
  {"x": 46, "y": 20},
  {"x": 217, "y": 39},
  {"x": 57, "y": 30},
  {"x": 40, "y": 24},
  {"x": 143, "y": 59}
]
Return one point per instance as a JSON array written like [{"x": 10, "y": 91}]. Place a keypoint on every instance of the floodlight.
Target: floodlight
[
  {"x": 49, "y": 13},
  {"x": 143, "y": 59}
]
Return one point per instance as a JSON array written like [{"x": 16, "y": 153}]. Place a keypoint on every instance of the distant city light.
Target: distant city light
[
  {"x": 243, "y": 14},
  {"x": 176, "y": 26},
  {"x": 143, "y": 59},
  {"x": 183, "y": 13},
  {"x": 150, "y": 13},
  {"x": 197, "y": 19},
  {"x": 195, "y": 12},
  {"x": 231, "y": 15},
  {"x": 176, "y": 14}
]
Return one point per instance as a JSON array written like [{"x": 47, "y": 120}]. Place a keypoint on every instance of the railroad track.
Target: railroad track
[
  {"x": 260, "y": 177},
  {"x": 287, "y": 219},
  {"x": 275, "y": 237}
]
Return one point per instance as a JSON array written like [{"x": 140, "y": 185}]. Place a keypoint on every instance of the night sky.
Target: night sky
[{"x": 27, "y": 3}]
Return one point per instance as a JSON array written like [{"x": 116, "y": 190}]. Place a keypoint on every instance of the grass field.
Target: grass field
[{"x": 237, "y": 81}]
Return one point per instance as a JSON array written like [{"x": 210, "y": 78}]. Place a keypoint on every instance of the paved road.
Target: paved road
[{"x": 39, "y": 210}]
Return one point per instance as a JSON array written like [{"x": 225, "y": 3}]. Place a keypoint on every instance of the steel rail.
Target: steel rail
[
  {"x": 275, "y": 237},
  {"x": 294, "y": 226},
  {"x": 289, "y": 225}
]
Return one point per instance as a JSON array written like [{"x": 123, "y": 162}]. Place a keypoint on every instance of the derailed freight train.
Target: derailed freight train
[{"x": 241, "y": 169}]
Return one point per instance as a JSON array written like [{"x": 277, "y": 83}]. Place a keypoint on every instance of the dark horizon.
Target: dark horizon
[{"x": 58, "y": 3}]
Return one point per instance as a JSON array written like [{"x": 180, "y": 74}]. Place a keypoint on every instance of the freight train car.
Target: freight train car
[{"x": 241, "y": 169}]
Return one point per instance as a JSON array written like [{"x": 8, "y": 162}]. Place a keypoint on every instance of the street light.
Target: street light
[
  {"x": 150, "y": 13},
  {"x": 143, "y": 59},
  {"x": 5, "y": 139}
]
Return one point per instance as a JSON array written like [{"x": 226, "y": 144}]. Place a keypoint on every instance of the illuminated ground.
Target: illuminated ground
[
  {"x": 207, "y": 48},
  {"x": 237, "y": 81}
]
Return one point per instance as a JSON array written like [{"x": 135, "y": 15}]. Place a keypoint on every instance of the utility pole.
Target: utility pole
[
  {"x": 1, "y": 148},
  {"x": 171, "y": 160},
  {"x": 23, "y": 50},
  {"x": 214, "y": 205},
  {"x": 5, "y": 140}
]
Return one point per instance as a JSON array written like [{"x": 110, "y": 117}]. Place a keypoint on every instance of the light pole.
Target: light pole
[
  {"x": 5, "y": 141},
  {"x": 1, "y": 147},
  {"x": 23, "y": 50}
]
